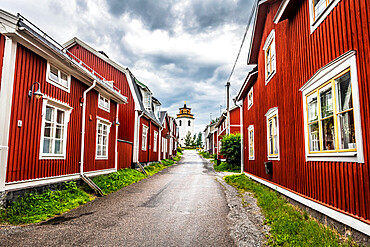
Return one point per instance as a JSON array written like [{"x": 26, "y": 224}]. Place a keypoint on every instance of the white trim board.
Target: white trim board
[
  {"x": 51, "y": 180},
  {"x": 334, "y": 214}
]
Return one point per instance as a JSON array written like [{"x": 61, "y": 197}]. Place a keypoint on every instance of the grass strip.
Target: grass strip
[
  {"x": 225, "y": 167},
  {"x": 33, "y": 207},
  {"x": 289, "y": 225}
]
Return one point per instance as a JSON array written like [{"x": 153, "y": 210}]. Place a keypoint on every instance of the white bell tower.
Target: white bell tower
[{"x": 185, "y": 123}]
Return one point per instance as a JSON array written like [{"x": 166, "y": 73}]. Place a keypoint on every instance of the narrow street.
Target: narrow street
[{"x": 183, "y": 205}]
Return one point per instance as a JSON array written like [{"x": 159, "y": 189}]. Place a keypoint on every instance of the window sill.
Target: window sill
[
  {"x": 101, "y": 158},
  {"x": 52, "y": 157},
  {"x": 337, "y": 157},
  {"x": 104, "y": 109},
  {"x": 273, "y": 157},
  {"x": 58, "y": 85}
]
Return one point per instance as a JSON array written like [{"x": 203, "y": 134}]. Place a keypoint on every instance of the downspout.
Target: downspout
[
  {"x": 83, "y": 127},
  {"x": 116, "y": 143},
  {"x": 138, "y": 137},
  {"x": 160, "y": 143},
  {"x": 148, "y": 140},
  {"x": 241, "y": 139}
]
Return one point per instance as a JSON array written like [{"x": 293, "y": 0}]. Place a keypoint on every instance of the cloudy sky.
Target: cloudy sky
[{"x": 181, "y": 49}]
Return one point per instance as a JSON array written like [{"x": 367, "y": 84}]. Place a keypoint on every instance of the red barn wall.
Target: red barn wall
[
  {"x": 153, "y": 156},
  {"x": 299, "y": 54},
  {"x": 143, "y": 155},
  {"x": 124, "y": 155}
]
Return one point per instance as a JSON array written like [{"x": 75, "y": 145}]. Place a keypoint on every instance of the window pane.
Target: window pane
[
  {"x": 314, "y": 137},
  {"x": 60, "y": 117},
  {"x": 63, "y": 79},
  {"x": 344, "y": 92},
  {"x": 48, "y": 130},
  {"x": 47, "y": 146},
  {"x": 98, "y": 150},
  {"x": 346, "y": 126},
  {"x": 104, "y": 151},
  {"x": 54, "y": 74},
  {"x": 49, "y": 113},
  {"x": 58, "y": 146},
  {"x": 270, "y": 127},
  {"x": 275, "y": 145},
  {"x": 104, "y": 129},
  {"x": 312, "y": 107},
  {"x": 328, "y": 133},
  {"x": 271, "y": 141},
  {"x": 320, "y": 6},
  {"x": 99, "y": 128},
  {"x": 326, "y": 101},
  {"x": 59, "y": 132},
  {"x": 105, "y": 140}
]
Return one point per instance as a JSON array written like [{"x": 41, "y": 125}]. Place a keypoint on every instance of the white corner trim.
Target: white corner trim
[
  {"x": 6, "y": 98},
  {"x": 334, "y": 214},
  {"x": 324, "y": 74}
]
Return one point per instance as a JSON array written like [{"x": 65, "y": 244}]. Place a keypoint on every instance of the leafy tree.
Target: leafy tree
[
  {"x": 231, "y": 149},
  {"x": 199, "y": 139},
  {"x": 194, "y": 140},
  {"x": 188, "y": 139}
]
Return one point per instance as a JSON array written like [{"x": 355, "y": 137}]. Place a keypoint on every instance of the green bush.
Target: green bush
[
  {"x": 33, "y": 207},
  {"x": 214, "y": 156},
  {"x": 231, "y": 149}
]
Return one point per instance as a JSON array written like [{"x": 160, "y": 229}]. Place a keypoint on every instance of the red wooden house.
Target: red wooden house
[
  {"x": 139, "y": 129},
  {"x": 54, "y": 125},
  {"x": 227, "y": 125},
  {"x": 168, "y": 135},
  {"x": 305, "y": 105}
]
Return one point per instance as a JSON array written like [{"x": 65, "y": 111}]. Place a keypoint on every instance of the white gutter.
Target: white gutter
[
  {"x": 137, "y": 141},
  {"x": 84, "y": 126},
  {"x": 241, "y": 139},
  {"x": 116, "y": 143}
]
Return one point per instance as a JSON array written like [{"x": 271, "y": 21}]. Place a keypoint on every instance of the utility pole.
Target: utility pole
[
  {"x": 210, "y": 118},
  {"x": 227, "y": 107}
]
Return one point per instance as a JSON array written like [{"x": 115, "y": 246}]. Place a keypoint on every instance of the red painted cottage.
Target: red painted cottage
[
  {"x": 306, "y": 105},
  {"x": 138, "y": 134},
  {"x": 54, "y": 125},
  {"x": 168, "y": 136},
  {"x": 227, "y": 125}
]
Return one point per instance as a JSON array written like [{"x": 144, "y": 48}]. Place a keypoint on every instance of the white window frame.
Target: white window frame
[
  {"x": 250, "y": 133},
  {"x": 323, "y": 75},
  {"x": 105, "y": 99},
  {"x": 106, "y": 122},
  {"x": 270, "y": 43},
  {"x": 56, "y": 83},
  {"x": 250, "y": 98},
  {"x": 155, "y": 141},
  {"x": 144, "y": 137},
  {"x": 272, "y": 112},
  {"x": 58, "y": 105},
  {"x": 316, "y": 21}
]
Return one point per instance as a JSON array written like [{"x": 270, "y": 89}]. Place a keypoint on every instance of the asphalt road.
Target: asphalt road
[{"x": 183, "y": 205}]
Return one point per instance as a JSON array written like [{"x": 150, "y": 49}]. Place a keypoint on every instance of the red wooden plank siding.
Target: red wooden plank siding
[
  {"x": 143, "y": 154},
  {"x": 126, "y": 111},
  {"x": 24, "y": 142},
  {"x": 299, "y": 54},
  {"x": 124, "y": 155}
]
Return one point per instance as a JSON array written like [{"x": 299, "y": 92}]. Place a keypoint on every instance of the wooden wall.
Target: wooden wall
[
  {"x": 24, "y": 142},
  {"x": 343, "y": 186}
]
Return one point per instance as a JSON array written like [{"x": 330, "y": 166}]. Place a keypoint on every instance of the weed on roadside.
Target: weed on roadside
[
  {"x": 289, "y": 225},
  {"x": 32, "y": 207}
]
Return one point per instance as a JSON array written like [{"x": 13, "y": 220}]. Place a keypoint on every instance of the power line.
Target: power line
[{"x": 245, "y": 34}]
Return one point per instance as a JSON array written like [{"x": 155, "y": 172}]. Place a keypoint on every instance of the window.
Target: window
[
  {"x": 270, "y": 56},
  {"x": 272, "y": 134},
  {"x": 250, "y": 98},
  {"x": 180, "y": 123},
  {"x": 147, "y": 100},
  {"x": 58, "y": 78},
  {"x": 332, "y": 117},
  {"x": 55, "y": 118},
  {"x": 189, "y": 123},
  {"x": 104, "y": 103},
  {"x": 251, "y": 141},
  {"x": 102, "y": 137},
  {"x": 155, "y": 141},
  {"x": 144, "y": 137},
  {"x": 319, "y": 10}
]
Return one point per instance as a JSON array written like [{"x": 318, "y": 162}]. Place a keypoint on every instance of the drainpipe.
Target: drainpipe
[
  {"x": 160, "y": 143},
  {"x": 138, "y": 138},
  {"x": 241, "y": 139},
  {"x": 116, "y": 143},
  {"x": 84, "y": 126}
]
